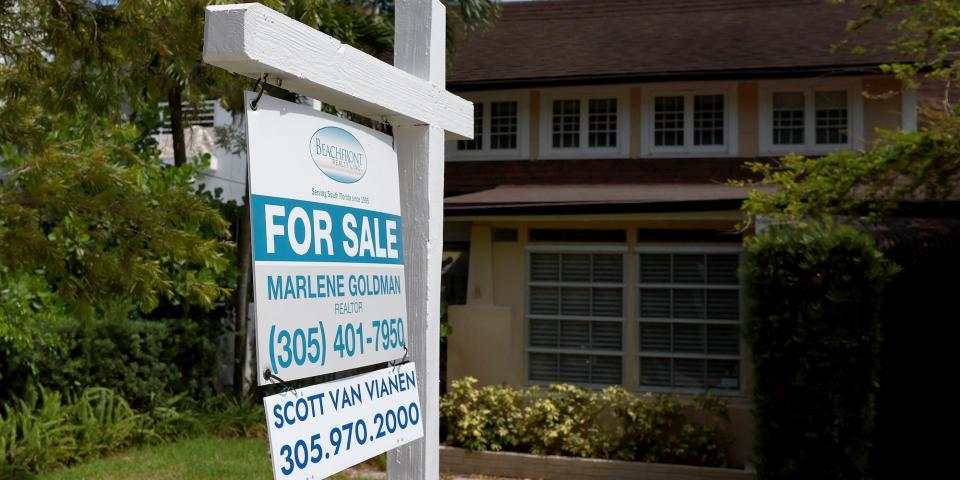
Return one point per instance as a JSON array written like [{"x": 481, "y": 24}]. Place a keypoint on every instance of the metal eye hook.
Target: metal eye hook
[
  {"x": 263, "y": 81},
  {"x": 268, "y": 375},
  {"x": 396, "y": 365}
]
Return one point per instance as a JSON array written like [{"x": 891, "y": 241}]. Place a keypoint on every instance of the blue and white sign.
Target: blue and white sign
[
  {"x": 320, "y": 430},
  {"x": 327, "y": 242}
]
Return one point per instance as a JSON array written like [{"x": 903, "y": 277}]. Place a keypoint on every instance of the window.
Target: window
[
  {"x": 689, "y": 120},
  {"x": 788, "y": 118},
  {"x": 668, "y": 121},
  {"x": 566, "y": 123},
  {"x": 200, "y": 115},
  {"x": 602, "y": 126},
  {"x": 831, "y": 117},
  {"x": 810, "y": 117},
  {"x": 500, "y": 128},
  {"x": 477, "y": 142},
  {"x": 708, "y": 119},
  {"x": 584, "y": 122},
  {"x": 503, "y": 125},
  {"x": 575, "y": 317},
  {"x": 688, "y": 320}
]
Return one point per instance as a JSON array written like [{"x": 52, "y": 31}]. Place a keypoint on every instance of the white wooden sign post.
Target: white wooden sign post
[{"x": 252, "y": 40}]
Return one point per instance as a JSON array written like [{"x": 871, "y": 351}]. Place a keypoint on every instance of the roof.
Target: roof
[
  {"x": 529, "y": 199},
  {"x": 566, "y": 41}
]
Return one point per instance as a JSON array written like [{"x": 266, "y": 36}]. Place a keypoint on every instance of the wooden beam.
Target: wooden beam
[
  {"x": 420, "y": 48},
  {"x": 251, "y": 39}
]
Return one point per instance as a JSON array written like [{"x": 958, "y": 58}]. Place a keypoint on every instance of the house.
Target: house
[
  {"x": 591, "y": 208},
  {"x": 227, "y": 170}
]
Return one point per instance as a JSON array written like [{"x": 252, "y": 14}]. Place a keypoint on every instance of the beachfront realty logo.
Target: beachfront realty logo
[{"x": 338, "y": 154}]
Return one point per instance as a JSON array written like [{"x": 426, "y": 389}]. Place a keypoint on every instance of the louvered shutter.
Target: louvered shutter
[
  {"x": 688, "y": 308},
  {"x": 575, "y": 304}
]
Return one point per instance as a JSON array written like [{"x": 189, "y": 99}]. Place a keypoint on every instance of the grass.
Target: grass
[{"x": 199, "y": 458}]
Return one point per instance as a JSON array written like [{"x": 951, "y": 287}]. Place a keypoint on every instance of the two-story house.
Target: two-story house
[{"x": 592, "y": 206}]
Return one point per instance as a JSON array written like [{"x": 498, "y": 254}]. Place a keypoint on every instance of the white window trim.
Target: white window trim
[
  {"x": 623, "y": 286},
  {"x": 584, "y": 95},
  {"x": 730, "y": 148},
  {"x": 766, "y": 89},
  {"x": 522, "y": 97},
  {"x": 635, "y": 283}
]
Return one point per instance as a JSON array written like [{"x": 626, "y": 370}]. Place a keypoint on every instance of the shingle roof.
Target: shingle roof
[{"x": 543, "y": 41}]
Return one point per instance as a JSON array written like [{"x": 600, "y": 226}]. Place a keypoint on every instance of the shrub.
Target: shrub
[
  {"x": 51, "y": 430},
  {"x": 568, "y": 420},
  {"x": 813, "y": 330},
  {"x": 145, "y": 361},
  {"x": 48, "y": 431}
]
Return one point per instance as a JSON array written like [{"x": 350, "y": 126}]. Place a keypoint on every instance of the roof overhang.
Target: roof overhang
[
  {"x": 654, "y": 77},
  {"x": 587, "y": 199}
]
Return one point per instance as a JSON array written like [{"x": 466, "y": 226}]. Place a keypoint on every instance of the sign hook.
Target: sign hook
[
  {"x": 263, "y": 81},
  {"x": 268, "y": 375}
]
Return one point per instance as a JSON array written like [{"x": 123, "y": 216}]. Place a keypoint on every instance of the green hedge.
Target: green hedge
[
  {"x": 145, "y": 361},
  {"x": 814, "y": 295},
  {"x": 567, "y": 420}
]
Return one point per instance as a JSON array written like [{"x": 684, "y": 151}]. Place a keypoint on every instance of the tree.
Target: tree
[
  {"x": 68, "y": 65},
  {"x": 901, "y": 166}
]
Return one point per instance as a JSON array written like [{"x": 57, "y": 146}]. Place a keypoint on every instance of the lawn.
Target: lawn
[{"x": 199, "y": 458}]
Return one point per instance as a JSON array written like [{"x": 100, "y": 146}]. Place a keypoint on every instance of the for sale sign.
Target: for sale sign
[
  {"x": 327, "y": 242},
  {"x": 320, "y": 430}
]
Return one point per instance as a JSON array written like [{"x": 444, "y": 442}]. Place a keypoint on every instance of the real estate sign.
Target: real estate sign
[
  {"x": 319, "y": 430},
  {"x": 327, "y": 242}
]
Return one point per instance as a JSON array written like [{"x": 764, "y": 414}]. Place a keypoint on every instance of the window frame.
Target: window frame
[
  {"x": 852, "y": 86},
  {"x": 636, "y": 285},
  {"x": 689, "y": 90},
  {"x": 578, "y": 248},
  {"x": 522, "y": 97},
  {"x": 583, "y": 95}
]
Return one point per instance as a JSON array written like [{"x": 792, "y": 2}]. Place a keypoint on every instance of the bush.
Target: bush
[
  {"x": 46, "y": 432},
  {"x": 567, "y": 420},
  {"x": 51, "y": 430},
  {"x": 813, "y": 330},
  {"x": 144, "y": 361}
]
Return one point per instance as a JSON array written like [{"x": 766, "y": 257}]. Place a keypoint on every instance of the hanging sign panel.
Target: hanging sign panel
[
  {"x": 327, "y": 242},
  {"x": 322, "y": 429}
]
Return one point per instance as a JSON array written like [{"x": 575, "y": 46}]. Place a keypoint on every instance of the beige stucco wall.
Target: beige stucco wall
[
  {"x": 748, "y": 141},
  {"x": 478, "y": 346},
  {"x": 534, "y": 124}
]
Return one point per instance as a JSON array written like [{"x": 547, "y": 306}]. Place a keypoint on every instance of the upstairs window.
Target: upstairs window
[
  {"x": 668, "y": 121},
  {"x": 566, "y": 123},
  {"x": 788, "y": 118},
  {"x": 689, "y": 120},
  {"x": 708, "y": 120},
  {"x": 602, "y": 126},
  {"x": 503, "y": 125},
  {"x": 584, "y": 123},
  {"x": 477, "y": 142},
  {"x": 811, "y": 118},
  {"x": 831, "y": 117},
  {"x": 499, "y": 128}
]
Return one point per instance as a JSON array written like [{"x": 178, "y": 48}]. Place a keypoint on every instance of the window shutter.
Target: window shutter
[
  {"x": 688, "y": 312},
  {"x": 544, "y": 267},
  {"x": 576, "y": 305}
]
